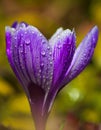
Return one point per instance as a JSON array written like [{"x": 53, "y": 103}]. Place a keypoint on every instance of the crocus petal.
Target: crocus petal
[
  {"x": 14, "y": 25},
  {"x": 63, "y": 47},
  {"x": 13, "y": 61},
  {"x": 28, "y": 52},
  {"x": 82, "y": 55},
  {"x": 56, "y": 34}
]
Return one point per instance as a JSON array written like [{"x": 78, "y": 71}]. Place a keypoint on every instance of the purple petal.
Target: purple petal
[
  {"x": 38, "y": 52},
  {"x": 82, "y": 55},
  {"x": 28, "y": 52},
  {"x": 14, "y": 25},
  {"x": 56, "y": 34},
  {"x": 63, "y": 46},
  {"x": 11, "y": 51}
]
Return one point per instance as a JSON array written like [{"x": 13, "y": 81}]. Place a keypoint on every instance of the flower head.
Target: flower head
[{"x": 44, "y": 66}]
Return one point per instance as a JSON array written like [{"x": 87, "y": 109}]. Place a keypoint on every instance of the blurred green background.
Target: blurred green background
[{"x": 82, "y": 97}]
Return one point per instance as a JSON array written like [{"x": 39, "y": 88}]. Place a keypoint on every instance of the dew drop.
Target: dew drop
[
  {"x": 48, "y": 47},
  {"x": 51, "y": 73},
  {"x": 21, "y": 51},
  {"x": 51, "y": 78},
  {"x": 43, "y": 42},
  {"x": 21, "y": 45},
  {"x": 15, "y": 38},
  {"x": 44, "y": 77},
  {"x": 50, "y": 53},
  {"x": 47, "y": 83},
  {"x": 32, "y": 32},
  {"x": 94, "y": 39},
  {"x": 21, "y": 34},
  {"x": 51, "y": 62},
  {"x": 41, "y": 64},
  {"x": 40, "y": 35},
  {"x": 49, "y": 58},
  {"x": 59, "y": 46},
  {"x": 39, "y": 71},
  {"x": 43, "y": 53},
  {"x": 27, "y": 41},
  {"x": 48, "y": 88},
  {"x": 58, "y": 36},
  {"x": 84, "y": 55}
]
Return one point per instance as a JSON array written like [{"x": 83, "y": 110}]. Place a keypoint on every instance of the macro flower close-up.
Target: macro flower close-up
[{"x": 43, "y": 66}]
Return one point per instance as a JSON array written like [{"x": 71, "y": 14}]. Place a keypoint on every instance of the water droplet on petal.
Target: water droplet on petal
[
  {"x": 27, "y": 41},
  {"x": 41, "y": 64},
  {"x": 39, "y": 71},
  {"x": 21, "y": 45},
  {"x": 59, "y": 46},
  {"x": 15, "y": 38},
  {"x": 32, "y": 32},
  {"x": 44, "y": 77},
  {"x": 84, "y": 54},
  {"x": 51, "y": 62},
  {"x": 51, "y": 73},
  {"x": 21, "y": 34},
  {"x": 48, "y": 47},
  {"x": 94, "y": 39},
  {"x": 51, "y": 78},
  {"x": 40, "y": 35},
  {"x": 43, "y": 53},
  {"x": 50, "y": 53},
  {"x": 15, "y": 46},
  {"x": 43, "y": 42},
  {"x": 21, "y": 51},
  {"x": 58, "y": 36}
]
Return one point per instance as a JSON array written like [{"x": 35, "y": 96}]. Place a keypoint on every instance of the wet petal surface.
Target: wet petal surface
[
  {"x": 28, "y": 52},
  {"x": 63, "y": 47},
  {"x": 82, "y": 55}
]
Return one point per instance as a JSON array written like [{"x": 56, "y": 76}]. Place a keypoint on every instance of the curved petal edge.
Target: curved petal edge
[{"x": 82, "y": 56}]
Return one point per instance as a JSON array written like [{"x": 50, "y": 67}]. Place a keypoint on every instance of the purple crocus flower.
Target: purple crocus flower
[{"x": 43, "y": 66}]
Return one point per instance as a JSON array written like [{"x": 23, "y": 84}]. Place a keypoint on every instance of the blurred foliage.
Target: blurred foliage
[{"x": 82, "y": 96}]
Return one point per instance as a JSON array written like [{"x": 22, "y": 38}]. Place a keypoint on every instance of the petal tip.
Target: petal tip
[
  {"x": 95, "y": 30},
  {"x": 95, "y": 27},
  {"x": 14, "y": 25},
  {"x": 95, "y": 33}
]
